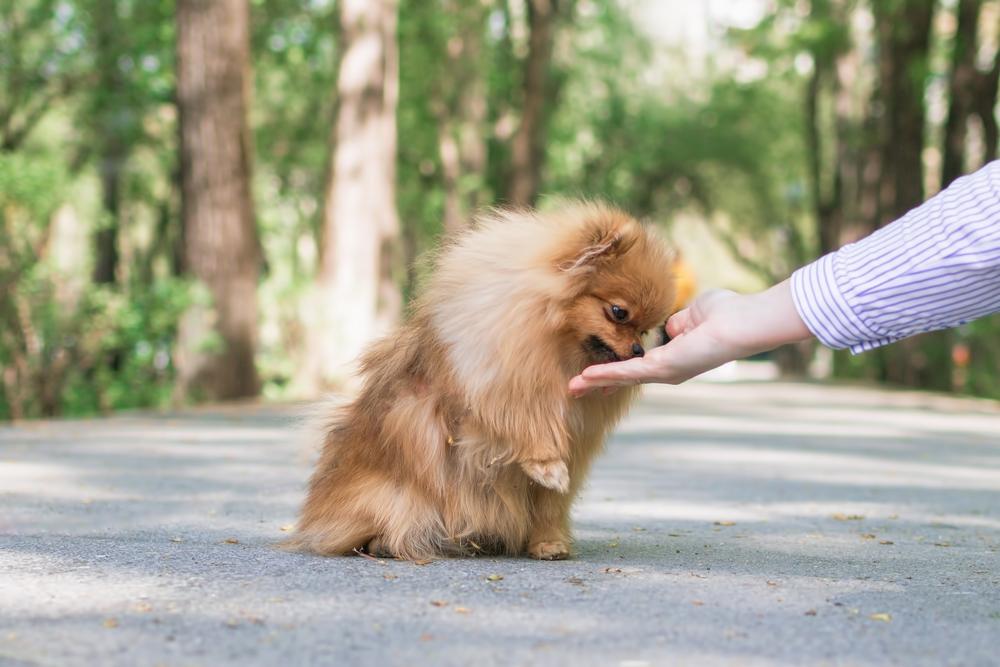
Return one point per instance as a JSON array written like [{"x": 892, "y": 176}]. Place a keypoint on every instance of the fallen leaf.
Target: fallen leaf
[
  {"x": 143, "y": 607},
  {"x": 389, "y": 577},
  {"x": 422, "y": 561},
  {"x": 495, "y": 577},
  {"x": 772, "y": 583},
  {"x": 867, "y": 536},
  {"x": 942, "y": 544},
  {"x": 811, "y": 612},
  {"x": 111, "y": 622},
  {"x": 725, "y": 523},
  {"x": 638, "y": 529},
  {"x": 613, "y": 570},
  {"x": 462, "y": 610},
  {"x": 426, "y": 637},
  {"x": 697, "y": 603},
  {"x": 886, "y": 542},
  {"x": 673, "y": 534},
  {"x": 176, "y": 539},
  {"x": 885, "y": 618},
  {"x": 439, "y": 603},
  {"x": 613, "y": 544},
  {"x": 576, "y": 581},
  {"x": 848, "y": 517},
  {"x": 231, "y": 540},
  {"x": 287, "y": 527}
]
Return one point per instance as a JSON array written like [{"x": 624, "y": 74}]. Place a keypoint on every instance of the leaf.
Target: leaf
[
  {"x": 867, "y": 536},
  {"x": 613, "y": 544},
  {"x": 697, "y": 603},
  {"x": 439, "y": 603},
  {"x": 725, "y": 523},
  {"x": 462, "y": 610},
  {"x": 885, "y": 618},
  {"x": 143, "y": 607},
  {"x": 111, "y": 622},
  {"x": 886, "y": 542},
  {"x": 495, "y": 577},
  {"x": 942, "y": 544},
  {"x": 811, "y": 612},
  {"x": 287, "y": 527},
  {"x": 231, "y": 540},
  {"x": 847, "y": 517}
]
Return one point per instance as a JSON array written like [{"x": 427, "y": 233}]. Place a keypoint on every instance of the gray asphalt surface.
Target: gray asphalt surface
[{"x": 728, "y": 524}]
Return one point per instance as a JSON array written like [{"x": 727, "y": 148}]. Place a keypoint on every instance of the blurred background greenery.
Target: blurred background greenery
[{"x": 216, "y": 199}]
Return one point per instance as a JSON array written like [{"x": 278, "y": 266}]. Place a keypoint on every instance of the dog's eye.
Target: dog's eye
[{"x": 619, "y": 313}]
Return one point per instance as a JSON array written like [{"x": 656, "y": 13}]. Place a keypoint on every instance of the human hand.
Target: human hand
[{"x": 719, "y": 326}]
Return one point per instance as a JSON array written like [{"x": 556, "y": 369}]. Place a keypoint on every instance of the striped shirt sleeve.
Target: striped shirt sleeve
[{"x": 936, "y": 267}]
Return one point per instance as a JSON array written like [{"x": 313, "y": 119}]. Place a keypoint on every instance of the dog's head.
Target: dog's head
[{"x": 619, "y": 283}]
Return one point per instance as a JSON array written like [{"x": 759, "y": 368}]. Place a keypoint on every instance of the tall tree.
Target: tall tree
[
  {"x": 903, "y": 36},
  {"x": 903, "y": 31},
  {"x": 111, "y": 115},
  {"x": 221, "y": 248},
  {"x": 961, "y": 91},
  {"x": 527, "y": 151},
  {"x": 358, "y": 295},
  {"x": 460, "y": 107}
]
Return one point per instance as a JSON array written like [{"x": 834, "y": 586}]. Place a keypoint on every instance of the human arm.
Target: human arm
[{"x": 936, "y": 267}]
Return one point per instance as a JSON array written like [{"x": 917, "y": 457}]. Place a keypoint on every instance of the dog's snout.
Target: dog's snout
[{"x": 637, "y": 350}]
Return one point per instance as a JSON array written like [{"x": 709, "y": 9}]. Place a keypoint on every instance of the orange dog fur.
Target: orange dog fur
[{"x": 463, "y": 438}]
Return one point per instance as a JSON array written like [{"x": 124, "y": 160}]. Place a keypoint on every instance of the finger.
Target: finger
[
  {"x": 629, "y": 371},
  {"x": 678, "y": 323}
]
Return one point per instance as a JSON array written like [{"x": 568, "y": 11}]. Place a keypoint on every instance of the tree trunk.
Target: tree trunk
[
  {"x": 961, "y": 90},
  {"x": 985, "y": 108},
  {"x": 528, "y": 143},
  {"x": 904, "y": 28},
  {"x": 358, "y": 294},
  {"x": 221, "y": 248},
  {"x": 461, "y": 114},
  {"x": 111, "y": 117},
  {"x": 903, "y": 36}
]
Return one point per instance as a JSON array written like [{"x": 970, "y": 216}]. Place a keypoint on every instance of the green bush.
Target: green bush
[{"x": 73, "y": 351}]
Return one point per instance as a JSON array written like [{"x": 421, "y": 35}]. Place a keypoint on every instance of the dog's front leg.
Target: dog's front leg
[{"x": 549, "y": 538}]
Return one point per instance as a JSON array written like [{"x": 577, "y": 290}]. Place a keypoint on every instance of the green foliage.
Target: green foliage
[
  {"x": 68, "y": 347},
  {"x": 87, "y": 93}
]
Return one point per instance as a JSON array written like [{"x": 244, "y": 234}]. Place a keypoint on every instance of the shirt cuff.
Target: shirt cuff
[{"x": 822, "y": 302}]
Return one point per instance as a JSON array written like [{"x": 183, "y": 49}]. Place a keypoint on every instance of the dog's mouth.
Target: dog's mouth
[{"x": 600, "y": 351}]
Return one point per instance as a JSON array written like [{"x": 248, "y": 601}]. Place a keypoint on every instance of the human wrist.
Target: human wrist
[{"x": 775, "y": 319}]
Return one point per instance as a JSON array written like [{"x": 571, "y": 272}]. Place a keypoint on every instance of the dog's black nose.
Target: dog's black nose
[{"x": 637, "y": 350}]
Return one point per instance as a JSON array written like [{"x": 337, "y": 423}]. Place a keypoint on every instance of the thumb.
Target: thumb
[{"x": 679, "y": 323}]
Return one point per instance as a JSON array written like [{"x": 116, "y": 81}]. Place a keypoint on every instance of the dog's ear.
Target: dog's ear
[{"x": 600, "y": 244}]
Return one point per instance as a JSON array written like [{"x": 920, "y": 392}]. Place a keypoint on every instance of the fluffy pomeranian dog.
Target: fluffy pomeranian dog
[{"x": 463, "y": 438}]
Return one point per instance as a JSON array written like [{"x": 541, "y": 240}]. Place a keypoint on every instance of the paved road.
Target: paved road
[{"x": 748, "y": 524}]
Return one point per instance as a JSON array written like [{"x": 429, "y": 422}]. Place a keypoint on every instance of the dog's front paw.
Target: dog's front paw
[
  {"x": 549, "y": 550},
  {"x": 552, "y": 474}
]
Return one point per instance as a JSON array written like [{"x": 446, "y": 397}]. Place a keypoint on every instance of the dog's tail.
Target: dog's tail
[{"x": 339, "y": 538}]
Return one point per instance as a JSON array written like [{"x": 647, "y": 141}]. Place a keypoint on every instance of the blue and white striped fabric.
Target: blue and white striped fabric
[{"x": 936, "y": 267}]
